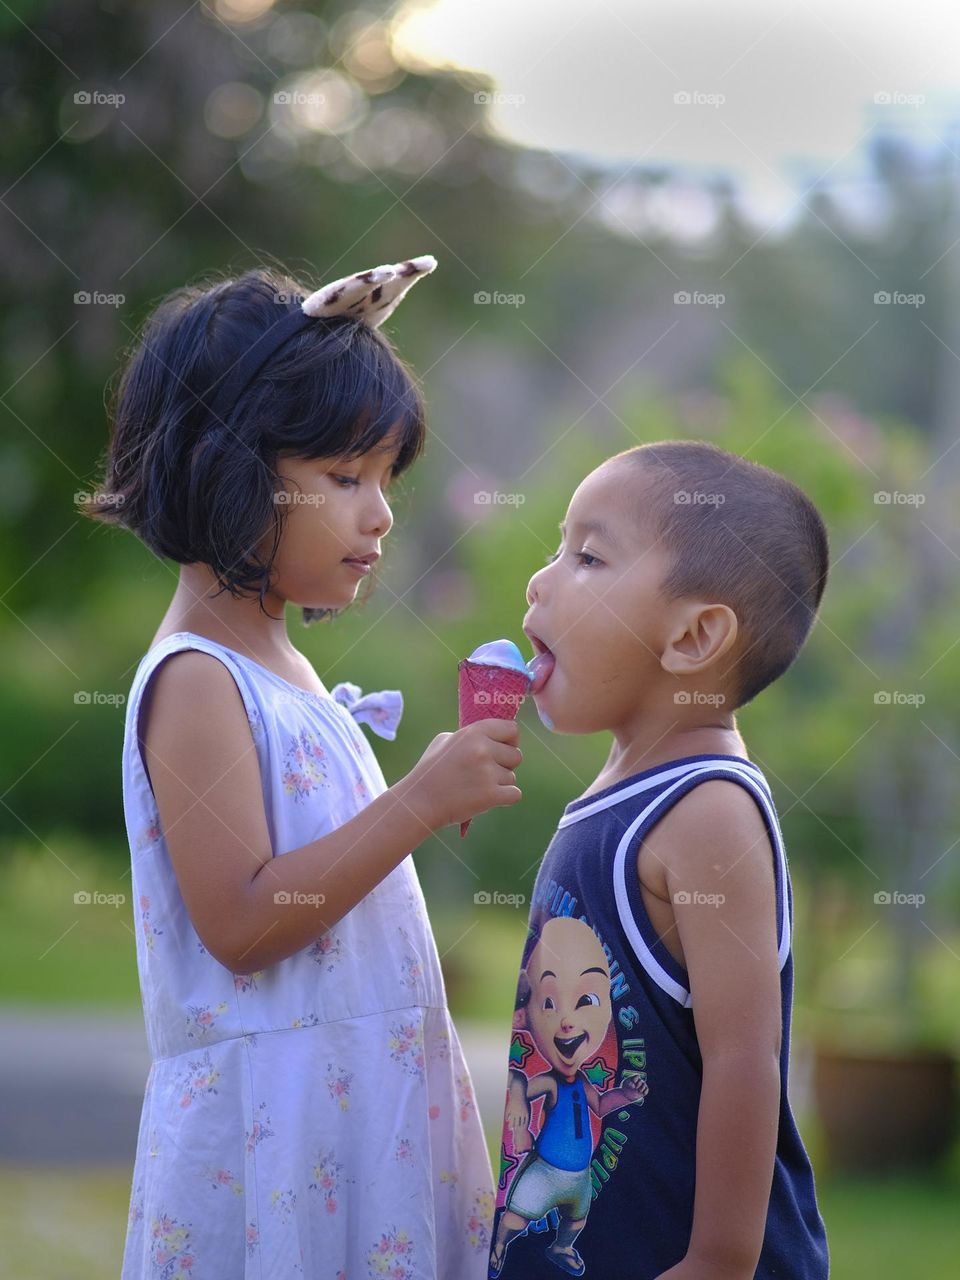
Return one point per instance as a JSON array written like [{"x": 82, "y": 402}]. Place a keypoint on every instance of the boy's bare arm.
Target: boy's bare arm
[{"x": 714, "y": 846}]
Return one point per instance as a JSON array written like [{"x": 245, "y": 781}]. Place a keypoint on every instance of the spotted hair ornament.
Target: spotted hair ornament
[{"x": 370, "y": 296}]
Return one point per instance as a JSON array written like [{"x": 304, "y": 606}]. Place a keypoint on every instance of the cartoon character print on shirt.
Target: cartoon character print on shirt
[{"x": 564, "y": 1007}]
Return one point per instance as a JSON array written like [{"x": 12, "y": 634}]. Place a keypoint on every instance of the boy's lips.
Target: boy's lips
[{"x": 541, "y": 665}]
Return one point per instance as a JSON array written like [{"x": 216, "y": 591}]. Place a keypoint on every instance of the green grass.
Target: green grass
[{"x": 59, "y": 1224}]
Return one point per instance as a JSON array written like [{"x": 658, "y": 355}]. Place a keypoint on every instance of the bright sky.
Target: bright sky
[{"x": 798, "y": 79}]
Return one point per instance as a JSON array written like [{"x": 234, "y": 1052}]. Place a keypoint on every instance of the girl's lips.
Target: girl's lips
[{"x": 360, "y": 566}]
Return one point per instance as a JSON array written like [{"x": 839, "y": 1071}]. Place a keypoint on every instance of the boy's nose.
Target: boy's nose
[{"x": 533, "y": 587}]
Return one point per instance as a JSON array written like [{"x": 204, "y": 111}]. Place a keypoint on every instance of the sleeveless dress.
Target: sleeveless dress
[
  {"x": 315, "y": 1118},
  {"x": 601, "y": 1002}
]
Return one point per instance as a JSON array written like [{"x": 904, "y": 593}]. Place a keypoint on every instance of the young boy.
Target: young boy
[{"x": 648, "y": 1133}]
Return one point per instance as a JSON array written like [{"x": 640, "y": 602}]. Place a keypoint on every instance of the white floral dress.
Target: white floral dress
[{"x": 315, "y": 1118}]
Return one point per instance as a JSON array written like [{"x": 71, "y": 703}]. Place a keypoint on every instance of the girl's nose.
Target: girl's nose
[
  {"x": 380, "y": 520},
  {"x": 533, "y": 588}
]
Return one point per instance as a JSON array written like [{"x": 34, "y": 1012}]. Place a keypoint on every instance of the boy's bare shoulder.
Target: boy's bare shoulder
[{"x": 716, "y": 827}]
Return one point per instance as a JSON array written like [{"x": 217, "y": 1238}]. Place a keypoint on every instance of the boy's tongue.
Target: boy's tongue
[{"x": 540, "y": 668}]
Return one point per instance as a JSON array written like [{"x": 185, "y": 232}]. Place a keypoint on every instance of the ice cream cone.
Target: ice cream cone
[{"x": 493, "y": 683}]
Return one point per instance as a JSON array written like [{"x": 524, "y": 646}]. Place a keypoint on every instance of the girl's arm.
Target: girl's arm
[{"x": 252, "y": 909}]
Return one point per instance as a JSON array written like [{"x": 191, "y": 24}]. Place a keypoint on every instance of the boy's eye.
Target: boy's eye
[
  {"x": 548, "y": 1003},
  {"x": 581, "y": 556},
  {"x": 589, "y": 997}
]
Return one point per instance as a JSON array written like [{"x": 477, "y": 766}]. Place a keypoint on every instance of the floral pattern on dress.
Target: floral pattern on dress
[
  {"x": 260, "y": 1131},
  {"x": 392, "y": 1256},
  {"x": 465, "y": 1098},
  {"x": 480, "y": 1221},
  {"x": 202, "y": 1018},
  {"x": 339, "y": 1084},
  {"x": 150, "y": 930},
  {"x": 223, "y": 1178},
  {"x": 198, "y": 1080},
  {"x": 170, "y": 1250},
  {"x": 411, "y": 968},
  {"x": 406, "y": 1047},
  {"x": 282, "y": 1204},
  {"x": 247, "y": 981},
  {"x": 326, "y": 951},
  {"x": 305, "y": 770},
  {"x": 327, "y": 1178}
]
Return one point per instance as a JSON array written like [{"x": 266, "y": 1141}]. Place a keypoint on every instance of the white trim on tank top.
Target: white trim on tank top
[{"x": 758, "y": 788}]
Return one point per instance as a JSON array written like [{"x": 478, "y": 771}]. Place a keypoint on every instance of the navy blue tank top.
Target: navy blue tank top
[{"x": 600, "y": 1003}]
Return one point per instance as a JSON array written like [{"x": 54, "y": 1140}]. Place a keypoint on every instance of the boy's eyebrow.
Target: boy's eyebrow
[{"x": 593, "y": 526}]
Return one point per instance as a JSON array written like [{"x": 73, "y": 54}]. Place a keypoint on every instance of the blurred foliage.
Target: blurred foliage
[{"x": 203, "y": 169}]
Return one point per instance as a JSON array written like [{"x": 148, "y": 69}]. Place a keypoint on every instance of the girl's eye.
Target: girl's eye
[{"x": 346, "y": 480}]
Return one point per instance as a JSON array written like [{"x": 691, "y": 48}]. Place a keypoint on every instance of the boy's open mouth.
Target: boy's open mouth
[
  {"x": 541, "y": 664},
  {"x": 568, "y": 1048}
]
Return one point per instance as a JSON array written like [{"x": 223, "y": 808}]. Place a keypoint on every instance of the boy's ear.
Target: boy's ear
[{"x": 702, "y": 634}]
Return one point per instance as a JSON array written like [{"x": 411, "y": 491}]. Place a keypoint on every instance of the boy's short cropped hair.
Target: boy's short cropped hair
[
  {"x": 744, "y": 535},
  {"x": 198, "y": 488}
]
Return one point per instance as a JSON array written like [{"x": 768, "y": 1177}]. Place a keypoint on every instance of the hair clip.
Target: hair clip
[{"x": 370, "y": 295}]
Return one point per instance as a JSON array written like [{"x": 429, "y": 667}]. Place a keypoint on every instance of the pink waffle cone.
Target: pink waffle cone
[{"x": 489, "y": 693}]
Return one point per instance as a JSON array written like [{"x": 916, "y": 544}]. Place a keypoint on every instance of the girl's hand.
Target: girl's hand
[{"x": 465, "y": 773}]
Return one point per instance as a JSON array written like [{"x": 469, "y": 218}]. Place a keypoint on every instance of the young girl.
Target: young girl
[{"x": 308, "y": 1110}]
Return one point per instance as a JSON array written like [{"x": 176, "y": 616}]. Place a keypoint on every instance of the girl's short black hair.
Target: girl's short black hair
[{"x": 197, "y": 488}]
